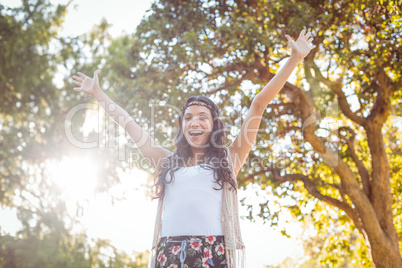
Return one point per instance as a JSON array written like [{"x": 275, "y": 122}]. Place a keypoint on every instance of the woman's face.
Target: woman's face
[{"x": 197, "y": 125}]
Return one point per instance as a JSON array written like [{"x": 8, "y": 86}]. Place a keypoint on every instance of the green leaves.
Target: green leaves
[
  {"x": 229, "y": 50},
  {"x": 33, "y": 134}
]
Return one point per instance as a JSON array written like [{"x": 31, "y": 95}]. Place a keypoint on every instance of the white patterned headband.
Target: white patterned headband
[{"x": 200, "y": 104}]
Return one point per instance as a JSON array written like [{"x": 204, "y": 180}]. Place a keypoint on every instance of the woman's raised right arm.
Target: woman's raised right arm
[{"x": 145, "y": 143}]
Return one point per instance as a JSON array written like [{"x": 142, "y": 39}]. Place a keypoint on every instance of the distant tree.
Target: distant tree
[
  {"x": 65, "y": 251},
  {"x": 329, "y": 139},
  {"x": 27, "y": 89},
  {"x": 34, "y": 106},
  {"x": 331, "y": 247},
  {"x": 36, "y": 101}
]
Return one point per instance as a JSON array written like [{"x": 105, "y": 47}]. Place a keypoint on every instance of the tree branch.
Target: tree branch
[
  {"x": 382, "y": 105},
  {"x": 363, "y": 172},
  {"x": 226, "y": 85},
  {"x": 310, "y": 187},
  {"x": 336, "y": 87},
  {"x": 30, "y": 13},
  {"x": 349, "y": 183}
]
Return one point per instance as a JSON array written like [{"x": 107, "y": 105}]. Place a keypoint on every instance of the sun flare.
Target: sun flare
[{"x": 75, "y": 177}]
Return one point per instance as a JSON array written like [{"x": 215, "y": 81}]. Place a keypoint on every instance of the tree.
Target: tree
[
  {"x": 329, "y": 138},
  {"x": 64, "y": 251},
  {"x": 34, "y": 108},
  {"x": 33, "y": 113},
  {"x": 334, "y": 246}
]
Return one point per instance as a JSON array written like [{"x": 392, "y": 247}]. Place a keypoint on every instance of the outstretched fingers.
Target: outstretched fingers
[
  {"x": 77, "y": 88},
  {"x": 78, "y": 81},
  {"x": 289, "y": 38},
  {"x": 307, "y": 37},
  {"x": 77, "y": 78},
  {"x": 86, "y": 84},
  {"x": 82, "y": 75},
  {"x": 303, "y": 45},
  {"x": 302, "y": 33},
  {"x": 96, "y": 74}
]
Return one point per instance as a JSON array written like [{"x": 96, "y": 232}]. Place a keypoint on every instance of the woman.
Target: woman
[{"x": 197, "y": 222}]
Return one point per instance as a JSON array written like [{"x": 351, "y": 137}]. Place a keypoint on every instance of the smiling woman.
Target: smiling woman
[{"x": 199, "y": 140}]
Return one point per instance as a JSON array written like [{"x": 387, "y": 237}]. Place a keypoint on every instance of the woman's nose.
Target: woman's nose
[{"x": 194, "y": 122}]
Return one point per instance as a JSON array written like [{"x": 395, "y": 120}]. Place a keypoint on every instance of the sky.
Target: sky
[
  {"x": 124, "y": 15},
  {"x": 129, "y": 224}
]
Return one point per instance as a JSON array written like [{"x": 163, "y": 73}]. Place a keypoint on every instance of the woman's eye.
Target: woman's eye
[
  {"x": 187, "y": 118},
  {"x": 203, "y": 118}
]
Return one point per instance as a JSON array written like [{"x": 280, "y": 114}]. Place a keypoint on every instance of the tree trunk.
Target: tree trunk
[
  {"x": 385, "y": 257},
  {"x": 374, "y": 207}
]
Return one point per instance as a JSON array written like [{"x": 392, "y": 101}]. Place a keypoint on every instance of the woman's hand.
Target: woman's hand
[
  {"x": 303, "y": 44},
  {"x": 86, "y": 84}
]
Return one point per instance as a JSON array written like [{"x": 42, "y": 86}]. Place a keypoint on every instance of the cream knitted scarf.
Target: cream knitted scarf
[{"x": 234, "y": 246}]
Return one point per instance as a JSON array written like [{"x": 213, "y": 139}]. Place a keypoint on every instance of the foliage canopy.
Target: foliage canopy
[{"x": 329, "y": 138}]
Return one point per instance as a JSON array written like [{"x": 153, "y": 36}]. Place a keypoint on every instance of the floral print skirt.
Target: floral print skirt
[{"x": 191, "y": 251}]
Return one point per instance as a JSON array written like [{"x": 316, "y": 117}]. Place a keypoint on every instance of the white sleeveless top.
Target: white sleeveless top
[{"x": 192, "y": 205}]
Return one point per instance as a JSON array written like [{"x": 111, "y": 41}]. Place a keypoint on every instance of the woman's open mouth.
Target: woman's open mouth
[{"x": 195, "y": 133}]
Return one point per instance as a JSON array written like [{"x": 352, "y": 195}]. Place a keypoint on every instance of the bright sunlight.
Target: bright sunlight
[{"x": 75, "y": 176}]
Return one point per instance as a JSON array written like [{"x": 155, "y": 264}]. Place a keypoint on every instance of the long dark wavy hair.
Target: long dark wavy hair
[{"x": 215, "y": 156}]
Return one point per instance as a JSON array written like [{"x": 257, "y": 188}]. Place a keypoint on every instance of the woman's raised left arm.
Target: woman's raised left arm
[{"x": 241, "y": 146}]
